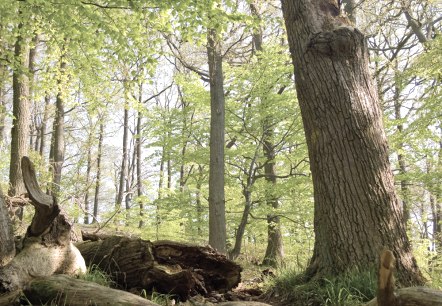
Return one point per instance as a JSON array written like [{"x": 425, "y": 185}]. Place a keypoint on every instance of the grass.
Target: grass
[
  {"x": 94, "y": 274},
  {"x": 350, "y": 289}
]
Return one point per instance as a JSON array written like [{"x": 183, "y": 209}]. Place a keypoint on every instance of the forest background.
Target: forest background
[{"x": 114, "y": 100}]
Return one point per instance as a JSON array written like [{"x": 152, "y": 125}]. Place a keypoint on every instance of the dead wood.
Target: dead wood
[
  {"x": 46, "y": 208},
  {"x": 64, "y": 290},
  {"x": 46, "y": 246},
  {"x": 412, "y": 296},
  {"x": 167, "y": 267}
]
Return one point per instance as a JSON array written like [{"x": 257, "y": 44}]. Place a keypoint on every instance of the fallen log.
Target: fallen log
[
  {"x": 47, "y": 248},
  {"x": 166, "y": 267},
  {"x": 412, "y": 296},
  {"x": 64, "y": 290}
]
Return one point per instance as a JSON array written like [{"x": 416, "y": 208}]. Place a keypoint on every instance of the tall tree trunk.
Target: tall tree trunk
[
  {"x": 357, "y": 212},
  {"x": 274, "y": 251},
  {"x": 160, "y": 195},
  {"x": 199, "y": 206},
  {"x": 88, "y": 175},
  {"x": 32, "y": 56},
  {"x": 138, "y": 141},
  {"x": 400, "y": 149},
  {"x": 217, "y": 218},
  {"x": 3, "y": 76},
  {"x": 21, "y": 115},
  {"x": 57, "y": 145},
  {"x": 97, "y": 180},
  {"x": 42, "y": 146},
  {"x": 123, "y": 172}
]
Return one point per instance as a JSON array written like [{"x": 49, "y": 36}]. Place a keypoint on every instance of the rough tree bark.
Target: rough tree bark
[
  {"x": 357, "y": 212},
  {"x": 7, "y": 245},
  {"x": 217, "y": 218},
  {"x": 21, "y": 115},
  {"x": 169, "y": 267}
]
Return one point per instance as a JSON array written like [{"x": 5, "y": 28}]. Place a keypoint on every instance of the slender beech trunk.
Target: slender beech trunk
[
  {"x": 199, "y": 206},
  {"x": 357, "y": 212},
  {"x": 88, "y": 176},
  {"x": 138, "y": 141},
  {"x": 160, "y": 195},
  {"x": 97, "y": 180},
  {"x": 123, "y": 171},
  {"x": 21, "y": 115},
  {"x": 239, "y": 235},
  {"x": 33, "y": 123},
  {"x": 400, "y": 149},
  {"x": 42, "y": 146},
  {"x": 217, "y": 214},
  {"x": 57, "y": 146},
  {"x": 3, "y": 76},
  {"x": 274, "y": 251}
]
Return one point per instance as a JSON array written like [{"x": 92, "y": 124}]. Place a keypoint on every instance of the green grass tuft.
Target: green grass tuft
[
  {"x": 349, "y": 289},
  {"x": 94, "y": 274}
]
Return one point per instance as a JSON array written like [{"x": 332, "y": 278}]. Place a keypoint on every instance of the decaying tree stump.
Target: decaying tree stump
[
  {"x": 412, "y": 296},
  {"x": 47, "y": 248},
  {"x": 64, "y": 290},
  {"x": 164, "y": 266}
]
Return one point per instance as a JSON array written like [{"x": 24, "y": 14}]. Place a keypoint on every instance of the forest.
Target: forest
[{"x": 231, "y": 152}]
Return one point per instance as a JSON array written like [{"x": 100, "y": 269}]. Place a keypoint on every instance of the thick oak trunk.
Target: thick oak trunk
[
  {"x": 357, "y": 212},
  {"x": 168, "y": 267}
]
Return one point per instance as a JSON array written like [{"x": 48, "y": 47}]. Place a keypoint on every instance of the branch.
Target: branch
[{"x": 46, "y": 208}]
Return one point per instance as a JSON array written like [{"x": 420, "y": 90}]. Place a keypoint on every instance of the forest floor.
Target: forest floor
[{"x": 251, "y": 288}]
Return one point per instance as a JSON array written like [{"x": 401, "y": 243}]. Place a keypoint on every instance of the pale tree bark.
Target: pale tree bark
[
  {"x": 32, "y": 57},
  {"x": 357, "y": 212},
  {"x": 88, "y": 175},
  {"x": 400, "y": 149},
  {"x": 42, "y": 130},
  {"x": 21, "y": 115},
  {"x": 217, "y": 218},
  {"x": 124, "y": 159},
  {"x": 3, "y": 76},
  {"x": 160, "y": 195},
  {"x": 56, "y": 158},
  {"x": 138, "y": 141},
  {"x": 274, "y": 250},
  {"x": 98, "y": 178}
]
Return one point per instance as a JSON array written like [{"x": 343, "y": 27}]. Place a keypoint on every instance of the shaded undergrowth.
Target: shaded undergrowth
[{"x": 349, "y": 289}]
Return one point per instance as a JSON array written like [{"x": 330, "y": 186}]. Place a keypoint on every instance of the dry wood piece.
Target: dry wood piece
[
  {"x": 412, "y": 296},
  {"x": 46, "y": 247},
  {"x": 168, "y": 267},
  {"x": 64, "y": 290}
]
